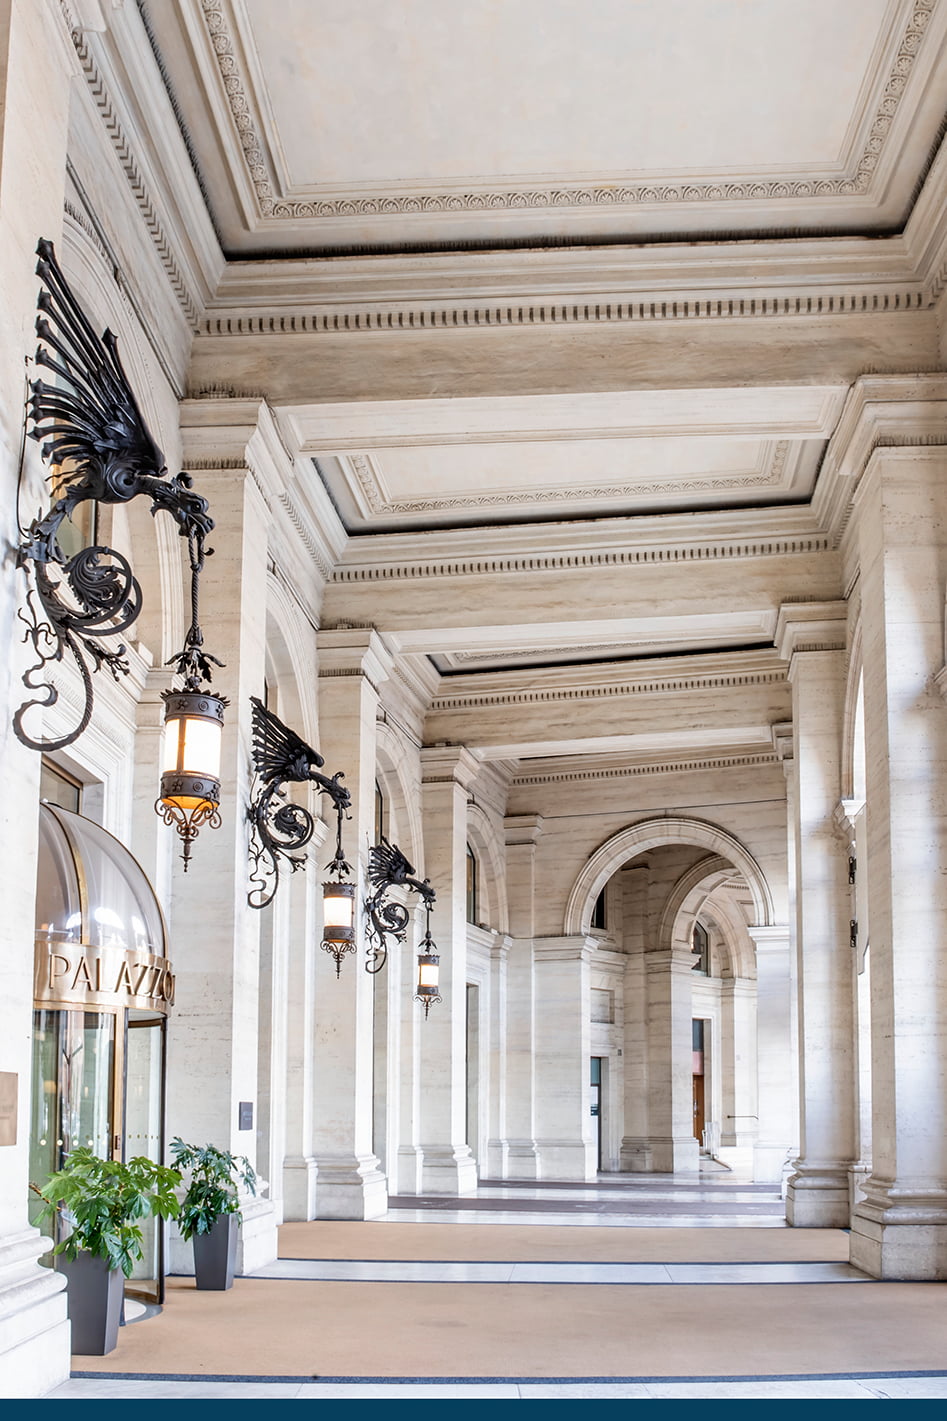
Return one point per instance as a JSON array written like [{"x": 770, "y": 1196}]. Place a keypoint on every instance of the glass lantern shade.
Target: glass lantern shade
[
  {"x": 190, "y": 779},
  {"x": 339, "y": 912},
  {"x": 427, "y": 992}
]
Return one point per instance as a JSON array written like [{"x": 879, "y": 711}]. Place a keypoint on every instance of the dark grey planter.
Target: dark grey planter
[
  {"x": 94, "y": 1298},
  {"x": 215, "y": 1254}
]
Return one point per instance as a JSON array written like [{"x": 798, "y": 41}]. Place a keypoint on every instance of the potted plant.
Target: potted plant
[
  {"x": 100, "y": 1202},
  {"x": 210, "y": 1209}
]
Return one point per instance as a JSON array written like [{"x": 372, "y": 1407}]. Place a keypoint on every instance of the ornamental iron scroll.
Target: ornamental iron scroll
[
  {"x": 280, "y": 828},
  {"x": 388, "y": 868},
  {"x": 99, "y": 450}
]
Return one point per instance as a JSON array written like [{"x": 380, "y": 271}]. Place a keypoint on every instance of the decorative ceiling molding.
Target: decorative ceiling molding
[
  {"x": 369, "y": 478},
  {"x": 218, "y": 18},
  {"x": 467, "y": 316},
  {"x": 632, "y": 684},
  {"x": 136, "y": 181},
  {"x": 626, "y": 557},
  {"x": 689, "y": 765}
]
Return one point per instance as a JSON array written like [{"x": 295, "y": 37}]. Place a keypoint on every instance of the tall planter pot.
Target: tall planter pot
[
  {"x": 215, "y": 1254},
  {"x": 94, "y": 1297}
]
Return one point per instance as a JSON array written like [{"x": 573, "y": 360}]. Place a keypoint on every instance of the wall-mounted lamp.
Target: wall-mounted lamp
[
  {"x": 100, "y": 450},
  {"x": 279, "y": 828},
  {"x": 388, "y": 868}
]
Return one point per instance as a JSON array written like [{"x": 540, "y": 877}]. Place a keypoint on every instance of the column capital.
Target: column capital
[
  {"x": 354, "y": 651},
  {"x": 575, "y": 948},
  {"x": 523, "y": 829},
  {"x": 769, "y": 940},
  {"x": 781, "y": 736},
  {"x": 810, "y": 626},
  {"x": 441, "y": 764}
]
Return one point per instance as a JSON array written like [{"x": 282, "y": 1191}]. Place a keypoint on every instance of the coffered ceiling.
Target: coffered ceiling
[{"x": 557, "y": 308}]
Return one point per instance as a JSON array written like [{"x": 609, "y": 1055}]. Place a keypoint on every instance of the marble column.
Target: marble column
[
  {"x": 213, "y": 1031},
  {"x": 811, "y": 638},
  {"x": 350, "y": 1184},
  {"x": 899, "y": 1229},
  {"x": 301, "y": 926},
  {"x": 497, "y": 1162},
  {"x": 565, "y": 1137},
  {"x": 448, "y": 1165},
  {"x": 523, "y": 832},
  {"x": 775, "y": 1076},
  {"x": 668, "y": 984},
  {"x": 636, "y": 1153},
  {"x": 36, "y": 58},
  {"x": 739, "y": 1126}
]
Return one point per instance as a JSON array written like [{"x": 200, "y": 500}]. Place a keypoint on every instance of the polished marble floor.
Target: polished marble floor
[{"x": 712, "y": 1200}]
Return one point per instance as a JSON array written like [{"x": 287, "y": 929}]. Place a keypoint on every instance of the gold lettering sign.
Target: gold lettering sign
[{"x": 76, "y": 975}]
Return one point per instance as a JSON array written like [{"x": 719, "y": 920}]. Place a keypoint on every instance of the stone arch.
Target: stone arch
[
  {"x": 482, "y": 839},
  {"x": 853, "y": 724},
  {"x": 403, "y": 804},
  {"x": 652, "y": 833}
]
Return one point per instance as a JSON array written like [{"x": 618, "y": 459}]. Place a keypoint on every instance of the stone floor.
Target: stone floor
[{"x": 712, "y": 1201}]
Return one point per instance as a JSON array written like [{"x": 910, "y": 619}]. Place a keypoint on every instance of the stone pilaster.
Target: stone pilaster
[
  {"x": 668, "y": 983},
  {"x": 776, "y": 1096},
  {"x": 350, "y": 1185},
  {"x": 448, "y": 1165},
  {"x": 899, "y": 1230},
  {"x": 565, "y": 1138},
  {"x": 740, "y": 1123},
  {"x": 811, "y": 637},
  {"x": 523, "y": 832},
  {"x": 497, "y": 1139},
  {"x": 636, "y": 1153}
]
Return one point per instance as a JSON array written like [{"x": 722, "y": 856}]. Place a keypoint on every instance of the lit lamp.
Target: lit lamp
[
  {"x": 428, "y": 964},
  {"x": 190, "y": 779},
  {"x": 338, "y": 934}
]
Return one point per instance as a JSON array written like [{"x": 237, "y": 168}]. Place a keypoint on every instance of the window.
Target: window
[
  {"x": 701, "y": 950},
  {"x": 472, "y": 886},
  {"x": 59, "y": 788},
  {"x": 598, "y": 912}
]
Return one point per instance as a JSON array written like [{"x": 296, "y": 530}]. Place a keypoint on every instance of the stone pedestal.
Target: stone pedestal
[{"x": 811, "y": 638}]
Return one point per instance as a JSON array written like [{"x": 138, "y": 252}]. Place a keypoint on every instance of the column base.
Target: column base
[
  {"x": 522, "y": 1160},
  {"x": 351, "y": 1188},
  {"x": 674, "y": 1154},
  {"x": 566, "y": 1159},
  {"x": 410, "y": 1162},
  {"x": 900, "y": 1235},
  {"x": 34, "y": 1328},
  {"x": 769, "y": 1163},
  {"x": 300, "y": 1177},
  {"x": 636, "y": 1156},
  {"x": 257, "y": 1239},
  {"x": 448, "y": 1171},
  {"x": 818, "y": 1199}
]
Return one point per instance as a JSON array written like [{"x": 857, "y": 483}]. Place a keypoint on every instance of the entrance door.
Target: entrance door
[
  {"x": 144, "y": 1135},
  {"x": 595, "y": 1080},
  {"x": 697, "y": 1068}
]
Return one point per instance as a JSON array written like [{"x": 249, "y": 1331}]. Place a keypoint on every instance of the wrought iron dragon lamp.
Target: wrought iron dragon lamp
[
  {"x": 388, "y": 868},
  {"x": 280, "y": 828}
]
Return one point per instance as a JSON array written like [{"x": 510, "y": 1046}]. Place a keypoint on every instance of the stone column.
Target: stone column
[
  {"x": 636, "y": 1144},
  {"x": 350, "y": 1185},
  {"x": 448, "y": 1166},
  {"x": 213, "y": 1031},
  {"x": 37, "y": 64},
  {"x": 523, "y": 832},
  {"x": 811, "y": 637},
  {"x": 668, "y": 983},
  {"x": 899, "y": 1230},
  {"x": 775, "y": 1076},
  {"x": 302, "y": 895},
  {"x": 565, "y": 1139},
  {"x": 739, "y": 1126},
  {"x": 497, "y": 1140}
]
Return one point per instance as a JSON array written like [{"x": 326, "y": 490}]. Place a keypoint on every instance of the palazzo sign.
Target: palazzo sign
[{"x": 74, "y": 975}]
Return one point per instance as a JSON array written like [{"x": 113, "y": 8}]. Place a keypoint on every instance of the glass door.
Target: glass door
[{"x": 143, "y": 1134}]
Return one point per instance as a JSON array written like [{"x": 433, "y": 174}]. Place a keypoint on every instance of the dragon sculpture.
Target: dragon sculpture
[{"x": 388, "y": 868}]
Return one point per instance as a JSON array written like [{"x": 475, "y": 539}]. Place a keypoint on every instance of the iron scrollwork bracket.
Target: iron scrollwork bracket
[
  {"x": 279, "y": 828},
  {"x": 100, "y": 450},
  {"x": 388, "y": 868}
]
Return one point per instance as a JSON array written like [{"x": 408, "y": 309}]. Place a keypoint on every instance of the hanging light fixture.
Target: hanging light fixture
[
  {"x": 388, "y": 868},
  {"x": 338, "y": 904},
  {"x": 101, "y": 451},
  {"x": 428, "y": 963}
]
